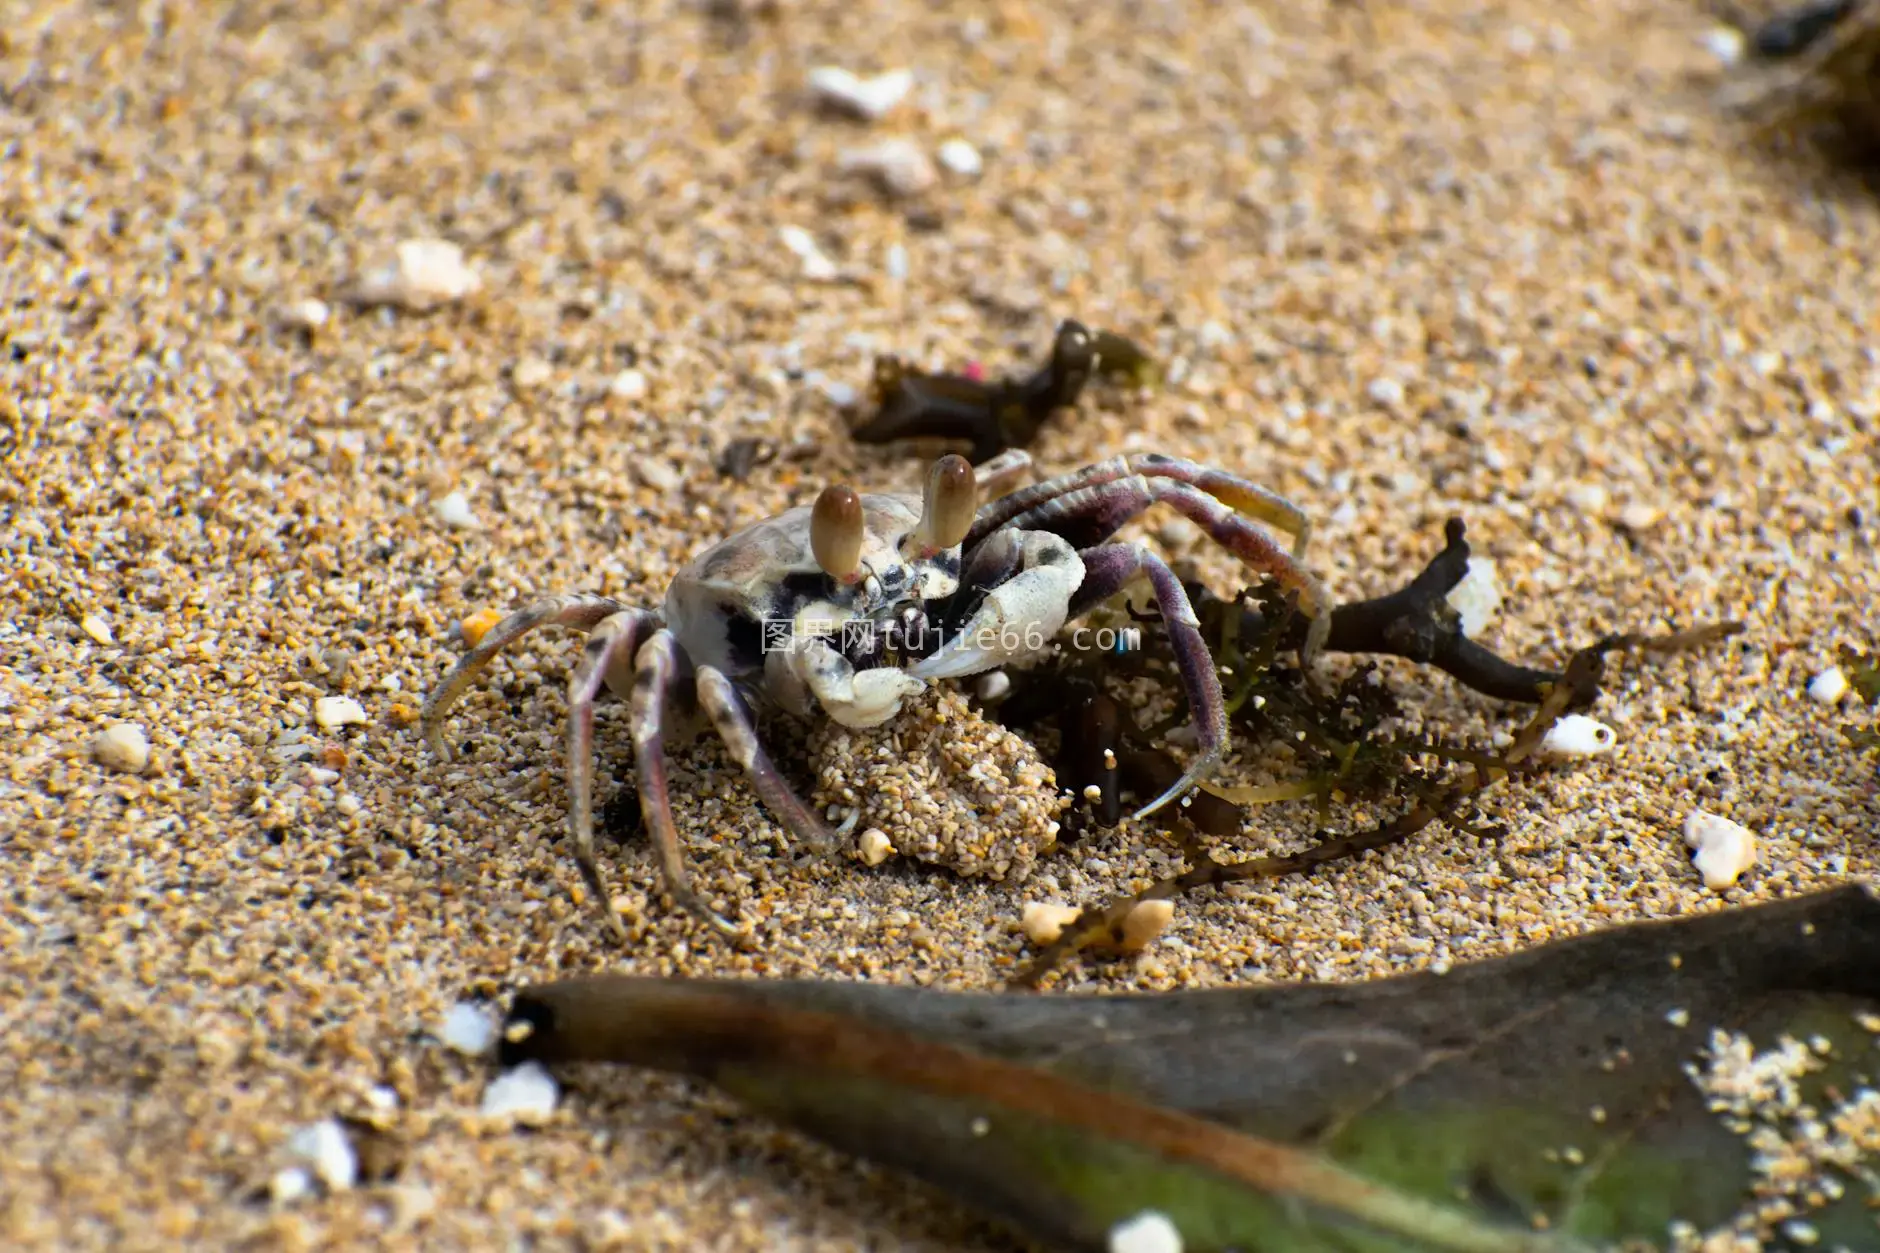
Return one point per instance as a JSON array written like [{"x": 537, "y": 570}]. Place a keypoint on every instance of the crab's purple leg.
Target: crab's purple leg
[
  {"x": 1088, "y": 516},
  {"x": 656, "y": 672},
  {"x": 579, "y": 611},
  {"x": 1110, "y": 568},
  {"x": 731, "y": 718},
  {"x": 1248, "y": 498},
  {"x": 607, "y": 658}
]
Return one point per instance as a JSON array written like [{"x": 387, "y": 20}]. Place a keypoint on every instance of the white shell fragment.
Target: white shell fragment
[
  {"x": 817, "y": 267},
  {"x": 1829, "y": 686},
  {"x": 303, "y": 315},
  {"x": 528, "y": 1094},
  {"x": 900, "y": 166},
  {"x": 628, "y": 385},
  {"x": 454, "y": 510},
  {"x": 333, "y": 712},
  {"x": 531, "y": 372},
  {"x": 1726, "y": 43},
  {"x": 1577, "y": 735},
  {"x": 325, "y": 1147},
  {"x": 100, "y": 631},
  {"x": 961, "y": 158},
  {"x": 290, "y": 1184},
  {"x": 422, "y": 273},
  {"x": 1044, "y": 921},
  {"x": 468, "y": 1029},
  {"x": 1725, "y": 849},
  {"x": 1147, "y": 1232},
  {"x": 1477, "y": 596},
  {"x": 122, "y": 746},
  {"x": 874, "y": 846},
  {"x": 992, "y": 686},
  {"x": 867, "y": 98}
]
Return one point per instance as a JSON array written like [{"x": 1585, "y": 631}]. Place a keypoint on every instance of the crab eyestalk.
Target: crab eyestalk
[
  {"x": 947, "y": 509},
  {"x": 836, "y": 532}
]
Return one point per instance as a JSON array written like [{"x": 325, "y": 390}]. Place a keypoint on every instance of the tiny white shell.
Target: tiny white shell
[
  {"x": 1725, "y": 849},
  {"x": 528, "y": 1094},
  {"x": 961, "y": 158},
  {"x": 875, "y": 847},
  {"x": 1147, "y": 1232},
  {"x": 901, "y": 166},
  {"x": 326, "y": 1148},
  {"x": 330, "y": 712},
  {"x": 867, "y": 98},
  {"x": 467, "y": 1029},
  {"x": 1576, "y": 735},
  {"x": 1829, "y": 686}
]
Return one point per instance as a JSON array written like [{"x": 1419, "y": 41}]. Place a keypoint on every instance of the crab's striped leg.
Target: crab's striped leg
[
  {"x": 579, "y": 611},
  {"x": 1089, "y": 516},
  {"x": 656, "y": 674},
  {"x": 1230, "y": 489},
  {"x": 731, "y": 718},
  {"x": 1108, "y": 570},
  {"x": 607, "y": 658}
]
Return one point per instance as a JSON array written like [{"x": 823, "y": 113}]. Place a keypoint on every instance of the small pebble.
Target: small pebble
[
  {"x": 1829, "y": 686},
  {"x": 658, "y": 474},
  {"x": 531, "y": 372},
  {"x": 1577, "y": 735},
  {"x": 900, "y": 166},
  {"x": 841, "y": 395},
  {"x": 122, "y": 747},
  {"x": 1726, "y": 43},
  {"x": 1143, "y": 923},
  {"x": 1147, "y": 1232},
  {"x": 527, "y": 1094},
  {"x": 870, "y": 99},
  {"x": 628, "y": 385},
  {"x": 993, "y": 686},
  {"x": 817, "y": 267},
  {"x": 1724, "y": 849},
  {"x": 1639, "y": 517},
  {"x": 454, "y": 510},
  {"x": 874, "y": 846},
  {"x": 1385, "y": 391},
  {"x": 325, "y": 1147},
  {"x": 1477, "y": 596},
  {"x": 1044, "y": 921},
  {"x": 478, "y": 625},
  {"x": 333, "y": 712},
  {"x": 98, "y": 629},
  {"x": 290, "y": 1184},
  {"x": 304, "y": 315},
  {"x": 961, "y": 158},
  {"x": 468, "y": 1029},
  {"x": 423, "y": 273}
]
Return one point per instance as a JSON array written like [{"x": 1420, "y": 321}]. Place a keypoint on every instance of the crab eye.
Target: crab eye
[
  {"x": 835, "y": 532},
  {"x": 951, "y": 501}
]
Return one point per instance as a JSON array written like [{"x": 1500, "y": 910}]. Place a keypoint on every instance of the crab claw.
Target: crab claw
[{"x": 836, "y": 531}]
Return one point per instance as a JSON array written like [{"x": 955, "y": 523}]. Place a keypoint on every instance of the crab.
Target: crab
[{"x": 847, "y": 607}]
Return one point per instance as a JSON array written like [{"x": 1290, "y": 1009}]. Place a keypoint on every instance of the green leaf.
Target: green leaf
[{"x": 1535, "y": 1102}]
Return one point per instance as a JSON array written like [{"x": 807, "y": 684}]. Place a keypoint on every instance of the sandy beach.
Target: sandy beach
[{"x": 1400, "y": 263}]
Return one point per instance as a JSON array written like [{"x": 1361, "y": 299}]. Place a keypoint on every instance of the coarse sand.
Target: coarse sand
[{"x": 1507, "y": 262}]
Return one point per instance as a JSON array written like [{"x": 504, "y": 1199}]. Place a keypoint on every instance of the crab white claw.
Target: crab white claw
[{"x": 849, "y": 607}]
